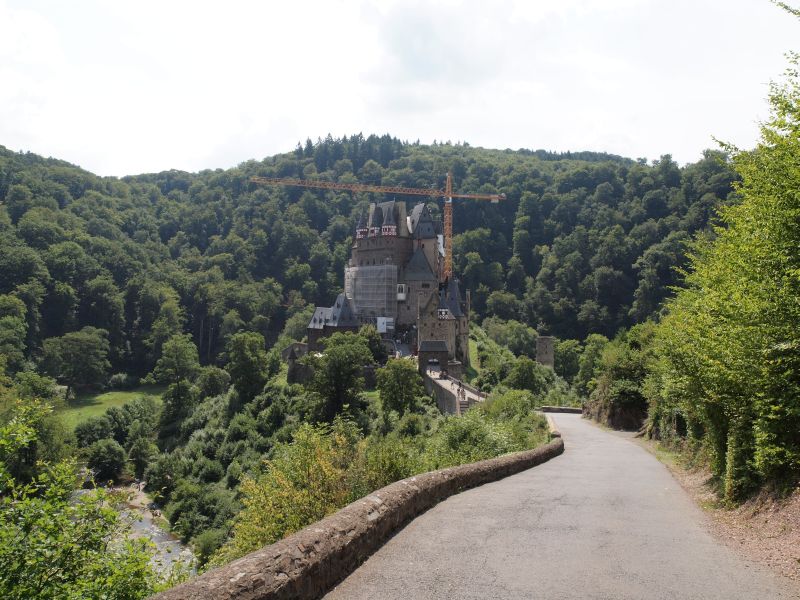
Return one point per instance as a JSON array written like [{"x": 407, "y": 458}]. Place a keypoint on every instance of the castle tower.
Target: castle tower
[
  {"x": 393, "y": 280},
  {"x": 423, "y": 231}
]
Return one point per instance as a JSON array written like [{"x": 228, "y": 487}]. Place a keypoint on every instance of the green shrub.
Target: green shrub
[
  {"x": 107, "y": 458},
  {"x": 305, "y": 481},
  {"x": 208, "y": 471},
  {"x": 92, "y": 430},
  {"x": 527, "y": 374},
  {"x": 123, "y": 381},
  {"x": 727, "y": 347},
  {"x": 212, "y": 381},
  {"x": 465, "y": 439},
  {"x": 206, "y": 543},
  {"x": 389, "y": 459}
]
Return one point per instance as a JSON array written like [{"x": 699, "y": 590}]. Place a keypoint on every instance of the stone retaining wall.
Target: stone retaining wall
[
  {"x": 445, "y": 399},
  {"x": 562, "y": 409},
  {"x": 551, "y": 425},
  {"x": 310, "y": 562}
]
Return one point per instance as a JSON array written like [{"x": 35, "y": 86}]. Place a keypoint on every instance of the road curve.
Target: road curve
[{"x": 603, "y": 520}]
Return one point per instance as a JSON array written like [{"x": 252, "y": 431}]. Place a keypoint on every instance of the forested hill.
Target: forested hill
[{"x": 585, "y": 242}]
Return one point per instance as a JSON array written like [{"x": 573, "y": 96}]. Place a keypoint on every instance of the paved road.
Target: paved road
[{"x": 604, "y": 520}]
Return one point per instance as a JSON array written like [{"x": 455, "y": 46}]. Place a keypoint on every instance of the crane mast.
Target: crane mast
[
  {"x": 446, "y": 193},
  {"x": 448, "y": 227}
]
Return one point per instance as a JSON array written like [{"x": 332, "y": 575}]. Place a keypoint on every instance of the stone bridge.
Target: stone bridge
[{"x": 453, "y": 396}]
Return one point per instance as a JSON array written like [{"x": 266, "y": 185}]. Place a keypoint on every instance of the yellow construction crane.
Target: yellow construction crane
[{"x": 446, "y": 193}]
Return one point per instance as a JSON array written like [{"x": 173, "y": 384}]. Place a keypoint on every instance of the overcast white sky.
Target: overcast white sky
[{"x": 122, "y": 87}]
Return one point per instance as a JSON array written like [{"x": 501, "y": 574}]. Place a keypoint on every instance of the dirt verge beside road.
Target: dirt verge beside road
[{"x": 765, "y": 529}]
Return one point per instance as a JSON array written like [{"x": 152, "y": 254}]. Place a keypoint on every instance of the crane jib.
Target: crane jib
[
  {"x": 381, "y": 189},
  {"x": 446, "y": 193}
]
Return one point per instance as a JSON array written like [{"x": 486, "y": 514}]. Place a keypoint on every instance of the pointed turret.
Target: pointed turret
[
  {"x": 450, "y": 297},
  {"x": 361, "y": 228},
  {"x": 389, "y": 226},
  {"x": 421, "y": 223},
  {"x": 375, "y": 221}
]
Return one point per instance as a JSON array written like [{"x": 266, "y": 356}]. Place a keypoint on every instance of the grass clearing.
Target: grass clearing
[
  {"x": 474, "y": 368},
  {"x": 94, "y": 405},
  {"x": 282, "y": 376}
]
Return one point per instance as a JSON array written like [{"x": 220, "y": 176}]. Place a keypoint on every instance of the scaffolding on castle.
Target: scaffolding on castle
[{"x": 373, "y": 290}]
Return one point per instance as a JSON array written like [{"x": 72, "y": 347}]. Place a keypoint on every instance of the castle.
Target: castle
[{"x": 395, "y": 281}]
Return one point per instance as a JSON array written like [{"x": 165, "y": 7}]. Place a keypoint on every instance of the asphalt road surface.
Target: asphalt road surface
[{"x": 603, "y": 520}]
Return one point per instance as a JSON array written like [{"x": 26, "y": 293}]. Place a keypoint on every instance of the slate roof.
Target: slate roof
[
  {"x": 321, "y": 316},
  {"x": 425, "y": 229},
  {"x": 433, "y": 346},
  {"x": 418, "y": 268},
  {"x": 388, "y": 213},
  {"x": 294, "y": 351},
  {"x": 341, "y": 314},
  {"x": 450, "y": 298},
  {"x": 375, "y": 216},
  {"x": 421, "y": 223}
]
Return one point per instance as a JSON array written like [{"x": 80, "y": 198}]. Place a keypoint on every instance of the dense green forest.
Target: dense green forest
[{"x": 585, "y": 243}]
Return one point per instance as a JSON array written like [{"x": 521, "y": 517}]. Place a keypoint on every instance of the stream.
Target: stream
[
  {"x": 169, "y": 549},
  {"x": 133, "y": 511}
]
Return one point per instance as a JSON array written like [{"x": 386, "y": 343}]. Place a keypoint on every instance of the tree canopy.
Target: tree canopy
[
  {"x": 338, "y": 374},
  {"x": 400, "y": 386},
  {"x": 78, "y": 358}
]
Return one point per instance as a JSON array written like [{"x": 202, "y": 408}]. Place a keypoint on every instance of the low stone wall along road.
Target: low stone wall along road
[{"x": 603, "y": 520}]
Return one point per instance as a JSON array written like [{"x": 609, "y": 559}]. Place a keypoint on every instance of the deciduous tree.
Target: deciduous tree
[
  {"x": 248, "y": 364},
  {"x": 400, "y": 386},
  {"x": 78, "y": 358}
]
